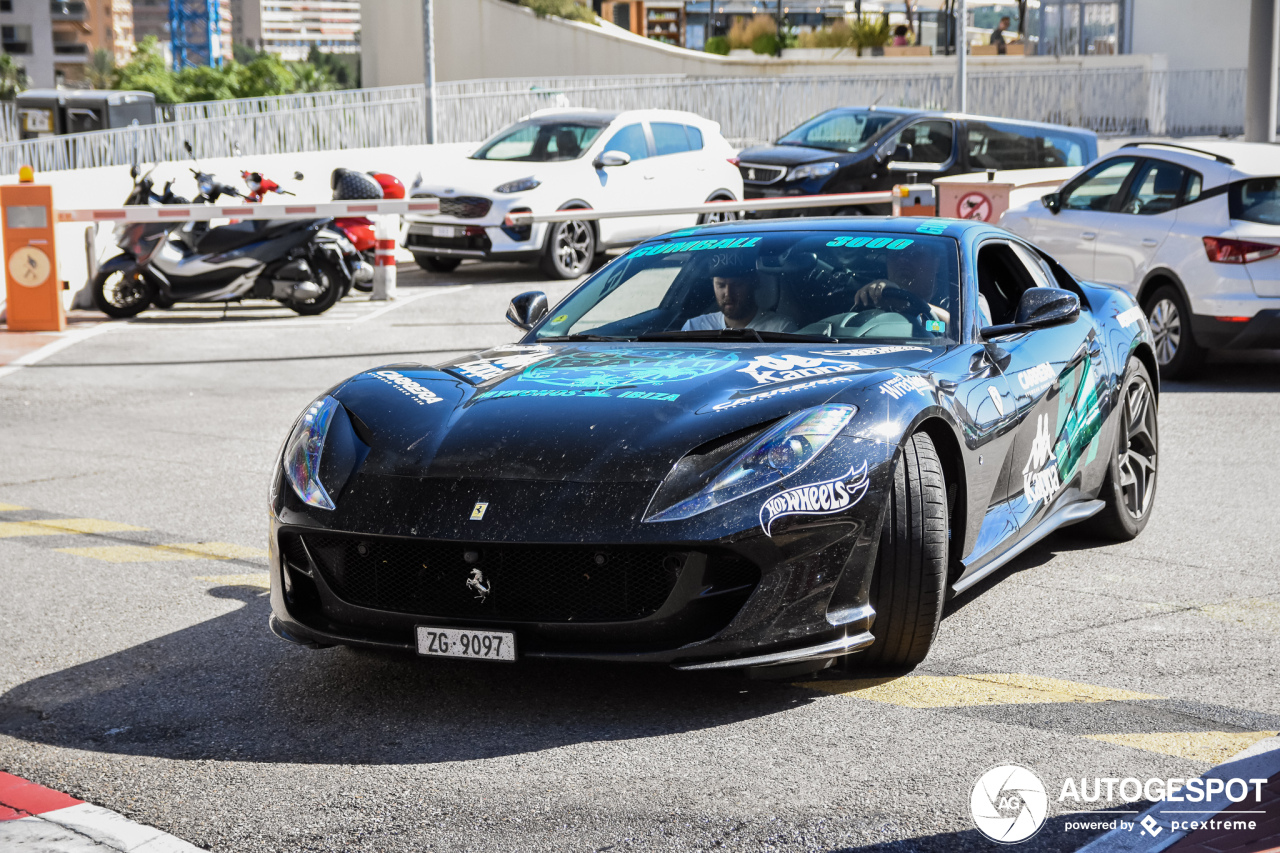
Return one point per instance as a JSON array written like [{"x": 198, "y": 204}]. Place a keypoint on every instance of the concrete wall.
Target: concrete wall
[
  {"x": 1193, "y": 34},
  {"x": 478, "y": 39}
]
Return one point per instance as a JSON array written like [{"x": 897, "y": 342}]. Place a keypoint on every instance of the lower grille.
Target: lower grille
[
  {"x": 755, "y": 173},
  {"x": 463, "y": 206},
  {"x": 531, "y": 583}
]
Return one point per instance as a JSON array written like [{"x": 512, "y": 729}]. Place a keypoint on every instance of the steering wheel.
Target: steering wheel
[{"x": 901, "y": 301}]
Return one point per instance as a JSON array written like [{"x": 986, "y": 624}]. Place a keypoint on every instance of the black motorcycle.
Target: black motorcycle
[{"x": 298, "y": 262}]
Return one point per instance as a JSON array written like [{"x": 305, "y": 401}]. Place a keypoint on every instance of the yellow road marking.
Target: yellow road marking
[
  {"x": 131, "y": 553},
  {"x": 221, "y": 550},
  {"x": 1209, "y": 747},
  {"x": 61, "y": 526},
  {"x": 262, "y": 580},
  {"x": 10, "y": 508},
  {"x": 959, "y": 691},
  {"x": 1253, "y": 613}
]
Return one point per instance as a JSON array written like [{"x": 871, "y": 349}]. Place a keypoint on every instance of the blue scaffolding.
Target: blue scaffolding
[{"x": 195, "y": 33}]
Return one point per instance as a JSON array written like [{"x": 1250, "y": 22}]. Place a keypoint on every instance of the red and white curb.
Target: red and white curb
[{"x": 36, "y": 819}]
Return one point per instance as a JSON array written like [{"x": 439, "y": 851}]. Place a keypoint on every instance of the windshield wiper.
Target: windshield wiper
[
  {"x": 582, "y": 337},
  {"x": 734, "y": 334}
]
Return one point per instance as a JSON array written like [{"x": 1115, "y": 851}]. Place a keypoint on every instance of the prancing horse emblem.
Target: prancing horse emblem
[{"x": 476, "y": 583}]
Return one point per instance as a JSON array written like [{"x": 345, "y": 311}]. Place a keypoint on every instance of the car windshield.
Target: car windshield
[
  {"x": 540, "y": 141},
  {"x": 771, "y": 285},
  {"x": 1256, "y": 200},
  {"x": 846, "y": 130}
]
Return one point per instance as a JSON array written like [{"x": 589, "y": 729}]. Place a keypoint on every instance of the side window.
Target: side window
[
  {"x": 668, "y": 138},
  {"x": 1100, "y": 186},
  {"x": 695, "y": 137},
  {"x": 1157, "y": 189},
  {"x": 1001, "y": 146},
  {"x": 629, "y": 140},
  {"x": 930, "y": 141},
  {"x": 1039, "y": 273},
  {"x": 1002, "y": 278},
  {"x": 1060, "y": 150}
]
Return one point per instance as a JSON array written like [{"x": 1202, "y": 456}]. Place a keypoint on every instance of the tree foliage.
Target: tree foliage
[
  {"x": 12, "y": 78},
  {"x": 570, "y": 10}
]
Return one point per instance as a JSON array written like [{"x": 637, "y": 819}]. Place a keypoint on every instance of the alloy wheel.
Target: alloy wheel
[
  {"x": 573, "y": 246},
  {"x": 125, "y": 291},
  {"x": 718, "y": 217},
  {"x": 1136, "y": 449},
  {"x": 1166, "y": 328}
]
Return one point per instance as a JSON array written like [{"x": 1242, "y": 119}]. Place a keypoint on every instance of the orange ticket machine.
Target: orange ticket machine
[{"x": 34, "y": 300}]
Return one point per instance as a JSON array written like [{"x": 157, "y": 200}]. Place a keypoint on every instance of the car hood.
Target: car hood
[
  {"x": 466, "y": 176},
  {"x": 788, "y": 155},
  {"x": 595, "y": 412}
]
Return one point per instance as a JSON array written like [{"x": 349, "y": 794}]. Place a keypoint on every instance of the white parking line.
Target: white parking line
[{"x": 67, "y": 339}]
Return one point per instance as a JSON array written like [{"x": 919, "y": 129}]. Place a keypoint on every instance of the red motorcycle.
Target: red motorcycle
[
  {"x": 350, "y": 185},
  {"x": 259, "y": 185}
]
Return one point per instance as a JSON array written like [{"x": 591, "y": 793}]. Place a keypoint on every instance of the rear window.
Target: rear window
[
  {"x": 1256, "y": 200},
  {"x": 994, "y": 145}
]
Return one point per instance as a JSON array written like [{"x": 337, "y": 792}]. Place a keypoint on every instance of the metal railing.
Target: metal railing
[
  {"x": 749, "y": 109},
  {"x": 8, "y": 122}
]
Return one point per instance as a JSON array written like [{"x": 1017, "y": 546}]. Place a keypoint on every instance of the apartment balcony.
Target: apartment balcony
[
  {"x": 70, "y": 52},
  {"x": 68, "y": 10}
]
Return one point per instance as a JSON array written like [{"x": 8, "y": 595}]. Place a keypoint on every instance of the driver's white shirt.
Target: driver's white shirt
[{"x": 764, "y": 321}]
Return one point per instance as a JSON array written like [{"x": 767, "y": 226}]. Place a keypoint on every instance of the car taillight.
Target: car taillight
[
  {"x": 733, "y": 160},
  {"x": 1223, "y": 251}
]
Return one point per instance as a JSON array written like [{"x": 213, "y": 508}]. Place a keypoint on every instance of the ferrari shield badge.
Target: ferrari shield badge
[{"x": 477, "y": 511}]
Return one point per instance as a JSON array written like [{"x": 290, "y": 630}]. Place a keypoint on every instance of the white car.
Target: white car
[
  {"x": 569, "y": 159},
  {"x": 1192, "y": 231}
]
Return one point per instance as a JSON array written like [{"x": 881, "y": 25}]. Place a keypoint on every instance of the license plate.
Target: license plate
[
  {"x": 473, "y": 645},
  {"x": 443, "y": 231}
]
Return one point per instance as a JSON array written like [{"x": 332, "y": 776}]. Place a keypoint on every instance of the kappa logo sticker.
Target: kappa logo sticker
[
  {"x": 409, "y": 387},
  {"x": 826, "y": 498},
  {"x": 1040, "y": 475},
  {"x": 771, "y": 369}
]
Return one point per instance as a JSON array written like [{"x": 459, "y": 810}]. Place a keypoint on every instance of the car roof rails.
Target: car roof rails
[{"x": 1219, "y": 157}]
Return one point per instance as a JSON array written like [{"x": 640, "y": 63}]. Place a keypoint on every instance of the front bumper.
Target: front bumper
[
  {"x": 739, "y": 599},
  {"x": 485, "y": 237},
  {"x": 1262, "y": 331}
]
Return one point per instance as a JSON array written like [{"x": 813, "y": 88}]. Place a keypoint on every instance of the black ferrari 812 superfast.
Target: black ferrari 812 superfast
[{"x": 747, "y": 445}]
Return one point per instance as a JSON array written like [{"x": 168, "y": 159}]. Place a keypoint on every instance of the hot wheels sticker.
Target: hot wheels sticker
[{"x": 827, "y": 498}]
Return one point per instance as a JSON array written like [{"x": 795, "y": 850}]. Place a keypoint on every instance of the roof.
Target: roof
[
  {"x": 96, "y": 96},
  {"x": 1256, "y": 158},
  {"x": 903, "y": 111},
  {"x": 608, "y": 116}
]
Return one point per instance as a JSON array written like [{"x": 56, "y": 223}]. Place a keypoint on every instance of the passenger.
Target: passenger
[
  {"x": 916, "y": 273},
  {"x": 735, "y": 282}
]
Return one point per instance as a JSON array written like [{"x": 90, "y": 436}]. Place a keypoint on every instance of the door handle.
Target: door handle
[
  {"x": 1088, "y": 235},
  {"x": 1149, "y": 243}
]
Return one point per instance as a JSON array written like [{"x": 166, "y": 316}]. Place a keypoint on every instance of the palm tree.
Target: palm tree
[
  {"x": 100, "y": 70},
  {"x": 12, "y": 78}
]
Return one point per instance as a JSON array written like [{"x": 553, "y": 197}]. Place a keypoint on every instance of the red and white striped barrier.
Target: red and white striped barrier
[
  {"x": 791, "y": 202},
  {"x": 205, "y": 212},
  {"x": 33, "y": 817}
]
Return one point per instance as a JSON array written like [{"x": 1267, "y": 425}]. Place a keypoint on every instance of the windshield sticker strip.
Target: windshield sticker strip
[
  {"x": 548, "y": 392},
  {"x": 852, "y": 242},
  {"x": 696, "y": 246}
]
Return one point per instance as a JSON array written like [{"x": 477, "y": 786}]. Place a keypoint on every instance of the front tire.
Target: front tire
[
  {"x": 121, "y": 294},
  {"x": 908, "y": 586},
  {"x": 571, "y": 247},
  {"x": 1177, "y": 353},
  {"x": 1129, "y": 490}
]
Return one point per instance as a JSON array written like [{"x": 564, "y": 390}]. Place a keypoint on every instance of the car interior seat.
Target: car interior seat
[
  {"x": 1166, "y": 183},
  {"x": 567, "y": 144}
]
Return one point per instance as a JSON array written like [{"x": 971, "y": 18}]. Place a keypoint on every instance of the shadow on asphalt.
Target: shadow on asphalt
[
  {"x": 226, "y": 689},
  {"x": 1232, "y": 372}
]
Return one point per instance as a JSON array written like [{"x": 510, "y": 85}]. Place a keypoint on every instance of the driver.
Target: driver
[
  {"x": 916, "y": 273},
  {"x": 735, "y": 281}
]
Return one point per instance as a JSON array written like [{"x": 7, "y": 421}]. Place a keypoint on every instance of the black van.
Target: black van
[{"x": 865, "y": 149}]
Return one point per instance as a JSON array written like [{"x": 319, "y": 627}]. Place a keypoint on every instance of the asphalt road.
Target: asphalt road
[{"x": 137, "y": 671}]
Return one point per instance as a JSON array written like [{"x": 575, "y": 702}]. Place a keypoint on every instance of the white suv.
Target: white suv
[
  {"x": 566, "y": 159},
  {"x": 1192, "y": 231}
]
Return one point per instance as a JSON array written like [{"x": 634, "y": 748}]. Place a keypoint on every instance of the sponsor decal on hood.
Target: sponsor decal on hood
[{"x": 827, "y": 498}]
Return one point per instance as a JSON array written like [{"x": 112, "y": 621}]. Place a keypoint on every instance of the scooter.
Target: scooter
[
  {"x": 350, "y": 185},
  {"x": 297, "y": 262},
  {"x": 361, "y": 267}
]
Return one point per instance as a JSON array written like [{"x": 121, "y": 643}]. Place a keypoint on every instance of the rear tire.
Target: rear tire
[
  {"x": 909, "y": 583},
  {"x": 437, "y": 264},
  {"x": 121, "y": 294},
  {"x": 1177, "y": 353},
  {"x": 332, "y": 280},
  {"x": 1129, "y": 489},
  {"x": 571, "y": 247}
]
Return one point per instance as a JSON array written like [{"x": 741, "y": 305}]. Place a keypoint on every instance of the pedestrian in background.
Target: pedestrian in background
[
  {"x": 997, "y": 35},
  {"x": 900, "y": 36}
]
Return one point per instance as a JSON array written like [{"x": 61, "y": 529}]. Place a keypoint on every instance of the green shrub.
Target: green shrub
[
  {"x": 717, "y": 44},
  {"x": 744, "y": 32},
  {"x": 570, "y": 10},
  {"x": 765, "y": 43},
  {"x": 871, "y": 31}
]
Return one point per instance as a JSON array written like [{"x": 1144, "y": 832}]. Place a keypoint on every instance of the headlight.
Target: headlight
[
  {"x": 811, "y": 170},
  {"x": 302, "y": 453},
  {"x": 776, "y": 455},
  {"x": 522, "y": 185}
]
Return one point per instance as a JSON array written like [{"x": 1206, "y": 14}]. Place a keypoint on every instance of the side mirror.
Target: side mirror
[
  {"x": 297, "y": 176},
  {"x": 1039, "y": 308},
  {"x": 527, "y": 309},
  {"x": 903, "y": 153},
  {"x": 611, "y": 158},
  {"x": 1052, "y": 201}
]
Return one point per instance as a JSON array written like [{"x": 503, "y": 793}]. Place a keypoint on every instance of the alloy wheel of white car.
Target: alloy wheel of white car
[
  {"x": 1166, "y": 328},
  {"x": 570, "y": 251}
]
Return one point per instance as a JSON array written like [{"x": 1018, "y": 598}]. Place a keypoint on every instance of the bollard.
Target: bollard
[{"x": 385, "y": 227}]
